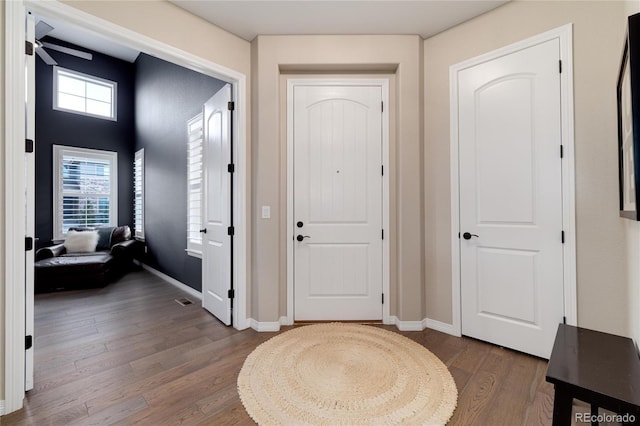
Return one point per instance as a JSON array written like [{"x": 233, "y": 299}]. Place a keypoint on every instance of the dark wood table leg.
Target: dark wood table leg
[
  {"x": 562, "y": 406},
  {"x": 594, "y": 415}
]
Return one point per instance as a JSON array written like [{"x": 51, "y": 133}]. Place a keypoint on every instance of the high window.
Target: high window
[
  {"x": 138, "y": 195},
  {"x": 84, "y": 94},
  {"x": 194, "y": 186},
  {"x": 85, "y": 188}
]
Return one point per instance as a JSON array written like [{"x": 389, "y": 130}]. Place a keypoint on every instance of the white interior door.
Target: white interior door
[
  {"x": 217, "y": 238},
  {"x": 337, "y": 143},
  {"x": 30, "y": 132},
  {"x": 511, "y": 199}
]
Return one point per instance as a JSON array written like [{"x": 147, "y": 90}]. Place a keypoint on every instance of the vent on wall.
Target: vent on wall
[{"x": 184, "y": 301}]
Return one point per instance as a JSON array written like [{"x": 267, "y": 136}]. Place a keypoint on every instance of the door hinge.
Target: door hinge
[
  {"x": 28, "y": 48},
  {"x": 561, "y": 151},
  {"x": 231, "y": 168},
  {"x": 562, "y": 237},
  {"x": 382, "y": 234},
  {"x": 382, "y": 170},
  {"x": 381, "y": 106},
  {"x": 383, "y": 298},
  {"x": 231, "y": 106},
  {"x": 560, "y": 66},
  {"x": 231, "y": 293},
  {"x": 231, "y": 230},
  {"x": 564, "y": 320},
  {"x": 28, "y": 243},
  {"x": 28, "y": 342},
  {"x": 28, "y": 145}
]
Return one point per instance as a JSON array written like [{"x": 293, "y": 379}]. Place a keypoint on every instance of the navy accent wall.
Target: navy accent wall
[
  {"x": 166, "y": 97},
  {"x": 65, "y": 128}
]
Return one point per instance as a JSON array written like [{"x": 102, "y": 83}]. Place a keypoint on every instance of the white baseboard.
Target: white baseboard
[
  {"x": 2, "y": 413},
  {"x": 442, "y": 327},
  {"x": 268, "y": 326},
  {"x": 406, "y": 325},
  {"x": 421, "y": 325},
  {"x": 192, "y": 292}
]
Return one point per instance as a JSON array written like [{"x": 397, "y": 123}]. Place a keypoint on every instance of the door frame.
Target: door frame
[
  {"x": 564, "y": 34},
  {"x": 383, "y": 83},
  {"x": 14, "y": 199}
]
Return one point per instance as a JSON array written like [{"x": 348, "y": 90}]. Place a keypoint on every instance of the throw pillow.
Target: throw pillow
[
  {"x": 120, "y": 234},
  {"x": 104, "y": 237},
  {"x": 81, "y": 242}
]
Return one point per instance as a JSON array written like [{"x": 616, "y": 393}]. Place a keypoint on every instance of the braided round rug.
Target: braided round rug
[{"x": 345, "y": 374}]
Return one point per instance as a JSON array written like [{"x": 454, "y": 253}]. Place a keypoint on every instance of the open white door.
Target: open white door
[
  {"x": 217, "y": 280},
  {"x": 511, "y": 222},
  {"x": 29, "y": 164}
]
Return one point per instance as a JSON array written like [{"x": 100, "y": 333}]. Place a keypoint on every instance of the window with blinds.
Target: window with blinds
[
  {"x": 85, "y": 189},
  {"x": 194, "y": 186},
  {"x": 138, "y": 195},
  {"x": 84, "y": 94}
]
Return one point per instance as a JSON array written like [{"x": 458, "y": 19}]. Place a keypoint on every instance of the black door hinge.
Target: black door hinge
[
  {"x": 560, "y": 66},
  {"x": 231, "y": 168},
  {"x": 28, "y": 342},
  {"x": 28, "y": 243},
  {"x": 231, "y": 293},
  {"x": 564, "y": 320},
  {"x": 381, "y": 106},
  {"x": 28, "y": 145},
  {"x": 28, "y": 48},
  {"x": 383, "y": 298},
  {"x": 382, "y": 169},
  {"x": 382, "y": 234},
  {"x": 561, "y": 151},
  {"x": 562, "y": 237},
  {"x": 231, "y": 230},
  {"x": 231, "y": 106}
]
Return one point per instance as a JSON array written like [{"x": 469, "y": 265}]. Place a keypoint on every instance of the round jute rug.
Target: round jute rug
[{"x": 345, "y": 374}]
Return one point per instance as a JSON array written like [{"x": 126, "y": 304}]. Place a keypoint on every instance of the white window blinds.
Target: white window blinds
[
  {"x": 85, "y": 188},
  {"x": 138, "y": 195},
  {"x": 194, "y": 186}
]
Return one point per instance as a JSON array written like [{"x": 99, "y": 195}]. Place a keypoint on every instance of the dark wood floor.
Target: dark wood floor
[{"x": 128, "y": 353}]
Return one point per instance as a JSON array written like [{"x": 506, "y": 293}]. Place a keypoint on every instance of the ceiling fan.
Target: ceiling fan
[{"x": 42, "y": 29}]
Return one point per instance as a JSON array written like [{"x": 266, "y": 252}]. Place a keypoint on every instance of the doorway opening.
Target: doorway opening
[{"x": 15, "y": 308}]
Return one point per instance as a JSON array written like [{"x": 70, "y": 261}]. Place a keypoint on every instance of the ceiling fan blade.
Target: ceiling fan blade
[
  {"x": 42, "y": 29},
  {"x": 45, "y": 56},
  {"x": 68, "y": 51}
]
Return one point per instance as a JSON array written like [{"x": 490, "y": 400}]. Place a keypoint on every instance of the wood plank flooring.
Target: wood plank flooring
[{"x": 130, "y": 354}]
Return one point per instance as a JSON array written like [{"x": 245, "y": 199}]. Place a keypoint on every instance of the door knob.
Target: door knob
[
  {"x": 299, "y": 224},
  {"x": 302, "y": 237},
  {"x": 467, "y": 236},
  {"x": 203, "y": 231}
]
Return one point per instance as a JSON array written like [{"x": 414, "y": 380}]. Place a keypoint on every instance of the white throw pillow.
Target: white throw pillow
[{"x": 81, "y": 242}]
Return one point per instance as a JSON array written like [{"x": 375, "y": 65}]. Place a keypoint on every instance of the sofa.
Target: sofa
[{"x": 88, "y": 258}]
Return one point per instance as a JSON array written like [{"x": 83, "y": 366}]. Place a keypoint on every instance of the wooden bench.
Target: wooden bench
[{"x": 598, "y": 368}]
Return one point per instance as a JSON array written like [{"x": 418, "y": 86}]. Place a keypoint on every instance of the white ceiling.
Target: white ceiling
[{"x": 249, "y": 18}]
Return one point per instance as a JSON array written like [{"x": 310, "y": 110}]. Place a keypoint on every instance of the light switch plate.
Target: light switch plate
[{"x": 266, "y": 212}]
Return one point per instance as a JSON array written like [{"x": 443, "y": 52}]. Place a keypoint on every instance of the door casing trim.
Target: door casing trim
[
  {"x": 565, "y": 36},
  {"x": 383, "y": 83}
]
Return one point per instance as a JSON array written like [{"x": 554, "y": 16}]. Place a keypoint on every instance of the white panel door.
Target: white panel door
[
  {"x": 511, "y": 199},
  {"x": 216, "y": 241},
  {"x": 30, "y": 207},
  {"x": 337, "y": 139}
]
